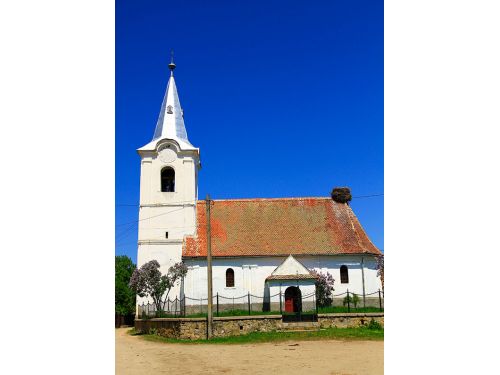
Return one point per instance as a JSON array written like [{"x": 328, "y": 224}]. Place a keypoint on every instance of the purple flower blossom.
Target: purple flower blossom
[
  {"x": 148, "y": 281},
  {"x": 324, "y": 288}
]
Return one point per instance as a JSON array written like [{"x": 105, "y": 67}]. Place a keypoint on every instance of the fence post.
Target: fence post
[
  {"x": 281, "y": 308},
  {"x": 201, "y": 307},
  {"x": 217, "y": 304},
  {"x": 316, "y": 302},
  {"x": 300, "y": 307},
  {"x": 249, "y": 308},
  {"x": 379, "y": 300},
  {"x": 348, "y": 302},
  {"x": 168, "y": 305}
]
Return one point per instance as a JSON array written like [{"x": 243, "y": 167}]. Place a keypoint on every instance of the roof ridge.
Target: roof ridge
[{"x": 265, "y": 199}]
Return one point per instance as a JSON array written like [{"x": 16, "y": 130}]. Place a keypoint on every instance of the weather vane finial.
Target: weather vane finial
[{"x": 171, "y": 65}]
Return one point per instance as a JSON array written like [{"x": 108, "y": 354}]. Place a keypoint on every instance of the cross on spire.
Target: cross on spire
[{"x": 172, "y": 64}]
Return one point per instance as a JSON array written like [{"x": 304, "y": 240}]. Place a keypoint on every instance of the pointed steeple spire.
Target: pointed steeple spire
[{"x": 170, "y": 122}]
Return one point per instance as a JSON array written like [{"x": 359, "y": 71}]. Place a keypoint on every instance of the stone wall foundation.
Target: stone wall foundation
[{"x": 196, "y": 328}]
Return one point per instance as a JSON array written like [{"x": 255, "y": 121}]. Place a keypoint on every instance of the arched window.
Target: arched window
[
  {"x": 344, "y": 275},
  {"x": 167, "y": 179},
  {"x": 229, "y": 278}
]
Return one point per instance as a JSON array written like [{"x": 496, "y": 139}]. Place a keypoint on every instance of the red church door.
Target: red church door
[
  {"x": 292, "y": 299},
  {"x": 289, "y": 304}
]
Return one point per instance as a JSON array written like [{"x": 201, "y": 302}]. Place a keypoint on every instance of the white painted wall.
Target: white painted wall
[
  {"x": 172, "y": 212},
  {"x": 250, "y": 274}
]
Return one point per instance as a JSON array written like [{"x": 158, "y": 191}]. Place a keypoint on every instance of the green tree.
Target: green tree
[
  {"x": 124, "y": 295},
  {"x": 148, "y": 281}
]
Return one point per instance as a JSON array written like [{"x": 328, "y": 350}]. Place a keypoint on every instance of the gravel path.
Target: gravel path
[{"x": 135, "y": 355}]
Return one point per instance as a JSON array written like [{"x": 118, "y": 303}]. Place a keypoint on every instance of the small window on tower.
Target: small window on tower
[
  {"x": 168, "y": 180},
  {"x": 166, "y": 234},
  {"x": 170, "y": 109}
]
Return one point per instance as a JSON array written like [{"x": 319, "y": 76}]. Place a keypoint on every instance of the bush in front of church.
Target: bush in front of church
[
  {"x": 147, "y": 281},
  {"x": 351, "y": 299},
  {"x": 380, "y": 269},
  {"x": 324, "y": 288}
]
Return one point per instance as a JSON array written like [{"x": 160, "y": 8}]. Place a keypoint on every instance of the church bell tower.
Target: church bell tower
[{"x": 169, "y": 187}]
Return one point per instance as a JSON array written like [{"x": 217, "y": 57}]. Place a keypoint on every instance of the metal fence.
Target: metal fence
[{"x": 250, "y": 304}]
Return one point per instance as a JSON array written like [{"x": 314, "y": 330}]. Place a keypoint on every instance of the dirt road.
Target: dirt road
[{"x": 135, "y": 356}]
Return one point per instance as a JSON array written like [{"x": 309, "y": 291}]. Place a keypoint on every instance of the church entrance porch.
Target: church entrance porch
[{"x": 293, "y": 300}]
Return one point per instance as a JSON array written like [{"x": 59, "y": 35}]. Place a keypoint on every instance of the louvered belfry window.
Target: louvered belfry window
[
  {"x": 229, "y": 278},
  {"x": 344, "y": 275},
  {"x": 168, "y": 180}
]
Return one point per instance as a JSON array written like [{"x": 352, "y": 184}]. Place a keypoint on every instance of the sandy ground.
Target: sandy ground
[{"x": 134, "y": 355}]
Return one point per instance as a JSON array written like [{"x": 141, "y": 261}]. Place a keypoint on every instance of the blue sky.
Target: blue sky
[{"x": 283, "y": 98}]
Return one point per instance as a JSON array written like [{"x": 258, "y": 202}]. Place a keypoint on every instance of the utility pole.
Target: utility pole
[
  {"x": 363, "y": 277},
  {"x": 209, "y": 271}
]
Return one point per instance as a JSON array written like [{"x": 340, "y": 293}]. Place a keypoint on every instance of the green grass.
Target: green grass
[
  {"x": 343, "y": 309},
  {"x": 358, "y": 333}
]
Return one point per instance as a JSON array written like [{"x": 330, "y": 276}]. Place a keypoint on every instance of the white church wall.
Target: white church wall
[
  {"x": 290, "y": 267},
  {"x": 166, "y": 254},
  {"x": 177, "y": 220},
  {"x": 332, "y": 265},
  {"x": 250, "y": 274}
]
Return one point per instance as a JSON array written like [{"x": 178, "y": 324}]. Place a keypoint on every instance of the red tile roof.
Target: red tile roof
[{"x": 278, "y": 227}]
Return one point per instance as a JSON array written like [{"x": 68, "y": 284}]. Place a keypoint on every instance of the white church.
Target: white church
[{"x": 263, "y": 247}]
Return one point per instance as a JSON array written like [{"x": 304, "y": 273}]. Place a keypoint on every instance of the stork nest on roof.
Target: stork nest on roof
[{"x": 341, "y": 194}]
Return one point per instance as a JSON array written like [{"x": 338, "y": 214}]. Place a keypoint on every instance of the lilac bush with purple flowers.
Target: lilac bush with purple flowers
[
  {"x": 324, "y": 288},
  {"x": 148, "y": 281},
  {"x": 380, "y": 268}
]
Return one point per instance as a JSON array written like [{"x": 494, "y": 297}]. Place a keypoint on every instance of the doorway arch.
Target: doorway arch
[{"x": 293, "y": 299}]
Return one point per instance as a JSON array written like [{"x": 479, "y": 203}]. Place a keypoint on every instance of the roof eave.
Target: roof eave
[
  {"x": 275, "y": 255},
  {"x": 152, "y": 146}
]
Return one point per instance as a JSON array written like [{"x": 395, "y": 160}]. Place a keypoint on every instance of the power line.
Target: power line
[
  {"x": 122, "y": 235},
  {"x": 137, "y": 205},
  {"x": 369, "y": 196},
  {"x": 125, "y": 233},
  {"x": 146, "y": 218},
  {"x": 191, "y": 226},
  {"x": 146, "y": 205}
]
